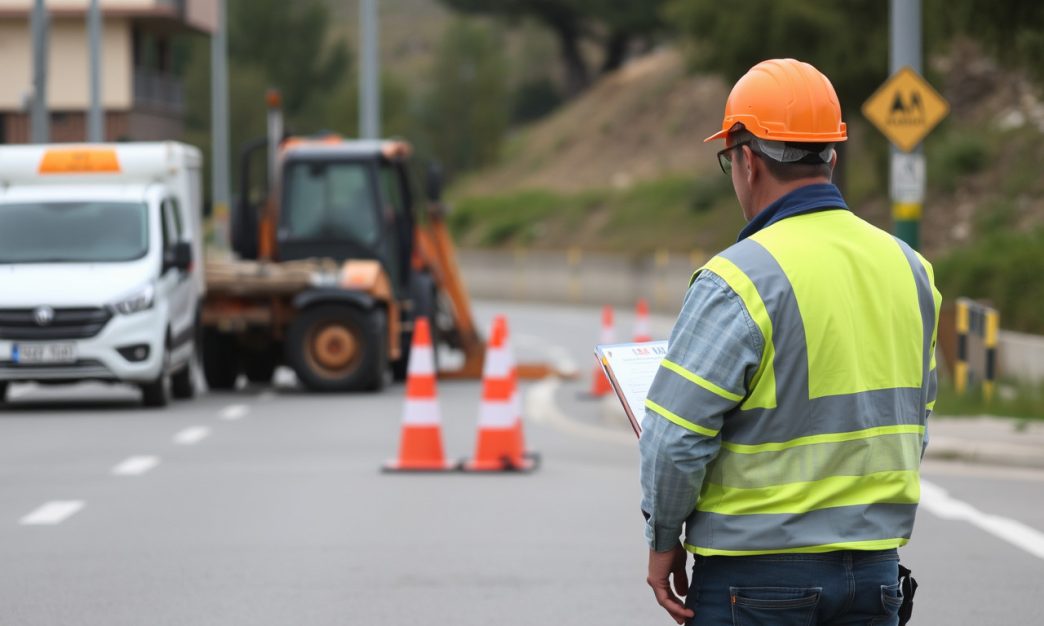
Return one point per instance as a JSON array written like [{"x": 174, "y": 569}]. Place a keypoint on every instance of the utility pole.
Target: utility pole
[
  {"x": 905, "y": 50},
  {"x": 39, "y": 122},
  {"x": 369, "y": 72},
  {"x": 96, "y": 113},
  {"x": 219, "y": 140}
]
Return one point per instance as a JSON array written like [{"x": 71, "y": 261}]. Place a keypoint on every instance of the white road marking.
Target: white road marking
[
  {"x": 234, "y": 412},
  {"x": 938, "y": 501},
  {"x": 52, "y": 513},
  {"x": 191, "y": 435},
  {"x": 17, "y": 392},
  {"x": 541, "y": 407},
  {"x": 135, "y": 466}
]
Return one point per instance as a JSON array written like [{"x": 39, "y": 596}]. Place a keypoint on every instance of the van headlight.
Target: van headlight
[{"x": 140, "y": 300}]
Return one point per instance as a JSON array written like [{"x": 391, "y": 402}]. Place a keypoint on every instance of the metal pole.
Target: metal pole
[
  {"x": 39, "y": 122},
  {"x": 219, "y": 165},
  {"x": 96, "y": 114},
  {"x": 369, "y": 72},
  {"x": 905, "y": 50}
]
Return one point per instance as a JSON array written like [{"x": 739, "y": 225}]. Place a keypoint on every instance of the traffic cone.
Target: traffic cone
[
  {"x": 599, "y": 383},
  {"x": 420, "y": 447},
  {"x": 641, "y": 322},
  {"x": 499, "y": 445},
  {"x": 516, "y": 398}
]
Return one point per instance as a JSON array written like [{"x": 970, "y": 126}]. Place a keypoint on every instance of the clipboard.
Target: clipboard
[{"x": 630, "y": 368}]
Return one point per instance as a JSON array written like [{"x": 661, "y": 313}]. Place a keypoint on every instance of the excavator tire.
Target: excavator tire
[
  {"x": 338, "y": 347},
  {"x": 422, "y": 291},
  {"x": 220, "y": 362}
]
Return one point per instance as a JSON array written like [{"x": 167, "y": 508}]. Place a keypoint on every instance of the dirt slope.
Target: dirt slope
[{"x": 643, "y": 122}]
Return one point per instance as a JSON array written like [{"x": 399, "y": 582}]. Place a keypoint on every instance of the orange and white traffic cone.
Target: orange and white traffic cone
[
  {"x": 599, "y": 383},
  {"x": 516, "y": 398},
  {"x": 641, "y": 322},
  {"x": 420, "y": 448},
  {"x": 499, "y": 445}
]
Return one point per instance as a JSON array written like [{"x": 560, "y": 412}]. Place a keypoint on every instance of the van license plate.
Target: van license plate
[{"x": 30, "y": 353}]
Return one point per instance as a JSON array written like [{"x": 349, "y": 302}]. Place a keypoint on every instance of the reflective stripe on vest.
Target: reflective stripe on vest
[{"x": 823, "y": 451}]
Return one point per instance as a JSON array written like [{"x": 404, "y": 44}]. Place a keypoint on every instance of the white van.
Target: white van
[{"x": 101, "y": 271}]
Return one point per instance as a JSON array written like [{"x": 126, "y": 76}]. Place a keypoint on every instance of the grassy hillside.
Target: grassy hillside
[{"x": 623, "y": 168}]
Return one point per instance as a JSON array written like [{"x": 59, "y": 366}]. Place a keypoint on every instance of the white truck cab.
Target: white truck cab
[{"x": 101, "y": 272}]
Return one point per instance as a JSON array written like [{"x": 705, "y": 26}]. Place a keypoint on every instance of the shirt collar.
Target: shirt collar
[{"x": 807, "y": 199}]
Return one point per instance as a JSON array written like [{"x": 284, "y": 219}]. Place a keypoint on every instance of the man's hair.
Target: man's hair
[{"x": 804, "y": 160}]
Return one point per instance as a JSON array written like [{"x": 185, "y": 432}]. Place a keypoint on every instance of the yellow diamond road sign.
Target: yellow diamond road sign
[{"x": 905, "y": 108}]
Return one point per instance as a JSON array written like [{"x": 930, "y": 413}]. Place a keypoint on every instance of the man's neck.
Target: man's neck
[{"x": 777, "y": 190}]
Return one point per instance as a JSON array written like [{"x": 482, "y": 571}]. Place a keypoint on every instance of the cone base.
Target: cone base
[
  {"x": 529, "y": 462},
  {"x": 420, "y": 466}
]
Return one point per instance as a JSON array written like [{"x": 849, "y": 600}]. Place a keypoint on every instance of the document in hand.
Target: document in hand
[{"x": 630, "y": 368}]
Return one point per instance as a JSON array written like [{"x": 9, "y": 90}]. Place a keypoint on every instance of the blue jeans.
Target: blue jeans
[{"x": 845, "y": 587}]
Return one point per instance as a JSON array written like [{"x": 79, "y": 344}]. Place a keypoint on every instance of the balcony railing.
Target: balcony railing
[{"x": 161, "y": 91}]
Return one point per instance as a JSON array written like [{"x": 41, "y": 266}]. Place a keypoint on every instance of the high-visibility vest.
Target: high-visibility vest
[{"x": 823, "y": 453}]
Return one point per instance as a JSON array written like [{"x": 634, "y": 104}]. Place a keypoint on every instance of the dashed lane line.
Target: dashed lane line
[
  {"x": 135, "y": 466},
  {"x": 53, "y": 513},
  {"x": 234, "y": 412},
  {"x": 939, "y": 502},
  {"x": 192, "y": 435}
]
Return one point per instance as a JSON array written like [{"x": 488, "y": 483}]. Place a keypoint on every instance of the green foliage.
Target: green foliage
[
  {"x": 676, "y": 213},
  {"x": 1012, "y": 30},
  {"x": 288, "y": 42},
  {"x": 954, "y": 154},
  {"x": 534, "y": 99},
  {"x": 847, "y": 41},
  {"x": 467, "y": 110},
  {"x": 1011, "y": 399},
  {"x": 1004, "y": 269}
]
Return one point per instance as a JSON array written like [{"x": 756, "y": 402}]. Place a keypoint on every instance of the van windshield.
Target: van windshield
[{"x": 73, "y": 232}]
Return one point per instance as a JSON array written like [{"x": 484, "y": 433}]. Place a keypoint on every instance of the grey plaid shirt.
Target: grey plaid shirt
[{"x": 716, "y": 339}]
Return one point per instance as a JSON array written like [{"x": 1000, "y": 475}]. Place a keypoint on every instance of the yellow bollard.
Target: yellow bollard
[
  {"x": 992, "y": 326},
  {"x": 960, "y": 371}
]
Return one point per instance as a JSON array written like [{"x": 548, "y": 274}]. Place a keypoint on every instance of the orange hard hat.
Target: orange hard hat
[{"x": 784, "y": 100}]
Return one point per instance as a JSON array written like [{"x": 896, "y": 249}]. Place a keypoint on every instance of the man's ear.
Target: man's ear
[{"x": 751, "y": 173}]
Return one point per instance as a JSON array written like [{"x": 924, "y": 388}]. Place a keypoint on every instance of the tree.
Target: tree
[
  {"x": 288, "y": 42},
  {"x": 612, "y": 24},
  {"x": 467, "y": 110},
  {"x": 847, "y": 41}
]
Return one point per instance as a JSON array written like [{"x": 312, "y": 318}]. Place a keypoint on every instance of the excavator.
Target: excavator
[{"x": 334, "y": 257}]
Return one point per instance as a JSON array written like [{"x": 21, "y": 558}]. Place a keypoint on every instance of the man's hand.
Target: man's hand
[{"x": 661, "y": 566}]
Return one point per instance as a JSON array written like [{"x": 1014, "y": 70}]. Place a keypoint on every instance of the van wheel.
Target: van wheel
[
  {"x": 220, "y": 359},
  {"x": 339, "y": 348},
  {"x": 157, "y": 393}
]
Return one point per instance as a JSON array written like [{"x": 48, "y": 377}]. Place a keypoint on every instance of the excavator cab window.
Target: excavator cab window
[
  {"x": 330, "y": 200},
  {"x": 398, "y": 218}
]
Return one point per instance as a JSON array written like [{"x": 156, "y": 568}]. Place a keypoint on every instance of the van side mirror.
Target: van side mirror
[
  {"x": 178, "y": 256},
  {"x": 435, "y": 182}
]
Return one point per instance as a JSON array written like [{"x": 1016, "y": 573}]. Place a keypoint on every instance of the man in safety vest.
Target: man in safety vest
[{"x": 786, "y": 425}]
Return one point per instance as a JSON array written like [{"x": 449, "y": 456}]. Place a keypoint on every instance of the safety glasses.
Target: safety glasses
[{"x": 725, "y": 157}]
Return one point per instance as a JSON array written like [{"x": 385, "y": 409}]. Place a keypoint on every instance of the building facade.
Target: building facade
[{"x": 142, "y": 97}]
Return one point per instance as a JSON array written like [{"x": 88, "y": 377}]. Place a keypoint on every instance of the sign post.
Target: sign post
[{"x": 906, "y": 108}]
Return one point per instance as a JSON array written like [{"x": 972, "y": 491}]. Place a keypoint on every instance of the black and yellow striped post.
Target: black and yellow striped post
[
  {"x": 981, "y": 322},
  {"x": 960, "y": 371},
  {"x": 992, "y": 326}
]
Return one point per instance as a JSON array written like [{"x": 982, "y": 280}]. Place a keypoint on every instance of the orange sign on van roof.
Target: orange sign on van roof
[{"x": 80, "y": 161}]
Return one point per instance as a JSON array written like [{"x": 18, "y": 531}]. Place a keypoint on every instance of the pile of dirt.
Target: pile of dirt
[{"x": 643, "y": 122}]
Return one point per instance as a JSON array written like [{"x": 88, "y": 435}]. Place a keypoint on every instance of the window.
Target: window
[
  {"x": 73, "y": 232},
  {"x": 330, "y": 200}
]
